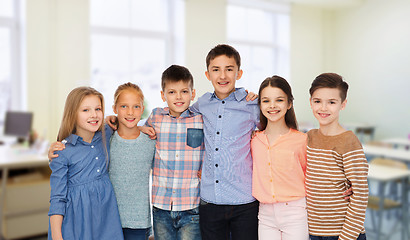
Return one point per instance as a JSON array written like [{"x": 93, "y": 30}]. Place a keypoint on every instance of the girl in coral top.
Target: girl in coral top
[{"x": 279, "y": 165}]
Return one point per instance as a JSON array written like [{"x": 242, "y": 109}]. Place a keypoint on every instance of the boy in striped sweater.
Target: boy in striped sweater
[{"x": 335, "y": 160}]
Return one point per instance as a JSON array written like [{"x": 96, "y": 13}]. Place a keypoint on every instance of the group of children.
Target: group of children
[{"x": 211, "y": 178}]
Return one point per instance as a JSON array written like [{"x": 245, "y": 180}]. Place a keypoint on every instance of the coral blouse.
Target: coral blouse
[{"x": 279, "y": 168}]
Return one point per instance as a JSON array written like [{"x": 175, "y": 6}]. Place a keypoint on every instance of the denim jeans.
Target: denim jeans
[
  {"x": 176, "y": 225},
  {"x": 236, "y": 222},
  {"x": 362, "y": 236},
  {"x": 136, "y": 234}
]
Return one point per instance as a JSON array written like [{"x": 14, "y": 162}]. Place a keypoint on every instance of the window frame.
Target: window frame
[
  {"x": 276, "y": 48},
  {"x": 168, "y": 37},
  {"x": 18, "y": 95}
]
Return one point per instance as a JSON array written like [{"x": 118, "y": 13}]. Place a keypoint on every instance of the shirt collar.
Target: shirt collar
[
  {"x": 184, "y": 114},
  {"x": 74, "y": 139},
  {"x": 239, "y": 94}
]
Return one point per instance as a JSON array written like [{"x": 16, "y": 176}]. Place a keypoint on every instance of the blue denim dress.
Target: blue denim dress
[{"x": 81, "y": 190}]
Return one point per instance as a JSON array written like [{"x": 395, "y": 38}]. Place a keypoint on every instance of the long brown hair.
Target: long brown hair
[
  {"x": 281, "y": 83},
  {"x": 72, "y": 104}
]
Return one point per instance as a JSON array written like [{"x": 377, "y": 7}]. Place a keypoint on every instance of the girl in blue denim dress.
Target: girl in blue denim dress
[{"x": 82, "y": 200}]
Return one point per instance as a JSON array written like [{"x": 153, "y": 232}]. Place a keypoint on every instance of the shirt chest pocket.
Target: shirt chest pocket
[{"x": 195, "y": 137}]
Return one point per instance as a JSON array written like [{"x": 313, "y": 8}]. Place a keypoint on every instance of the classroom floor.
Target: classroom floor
[{"x": 388, "y": 225}]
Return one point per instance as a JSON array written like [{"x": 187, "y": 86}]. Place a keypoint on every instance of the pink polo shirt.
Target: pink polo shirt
[{"x": 279, "y": 168}]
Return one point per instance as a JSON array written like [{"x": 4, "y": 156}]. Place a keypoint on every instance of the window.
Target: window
[
  {"x": 260, "y": 31},
  {"x": 12, "y": 96},
  {"x": 134, "y": 41}
]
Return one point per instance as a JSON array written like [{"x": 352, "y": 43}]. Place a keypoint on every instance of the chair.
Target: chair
[{"x": 391, "y": 203}]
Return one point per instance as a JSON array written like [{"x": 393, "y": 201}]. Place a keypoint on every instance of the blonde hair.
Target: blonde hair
[
  {"x": 72, "y": 104},
  {"x": 127, "y": 86}
]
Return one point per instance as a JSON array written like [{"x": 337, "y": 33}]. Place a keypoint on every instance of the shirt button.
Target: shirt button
[
  {"x": 173, "y": 191},
  {"x": 98, "y": 170},
  {"x": 176, "y": 155},
  {"x": 92, "y": 146},
  {"x": 223, "y": 102},
  {"x": 96, "y": 158},
  {"x": 216, "y": 165},
  {"x": 219, "y": 116},
  {"x": 216, "y": 149},
  {"x": 269, "y": 164},
  {"x": 217, "y": 181},
  {"x": 217, "y": 132}
]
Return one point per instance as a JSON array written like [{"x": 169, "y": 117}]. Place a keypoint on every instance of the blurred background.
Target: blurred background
[{"x": 48, "y": 47}]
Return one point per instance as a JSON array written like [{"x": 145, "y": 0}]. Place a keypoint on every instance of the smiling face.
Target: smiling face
[
  {"x": 129, "y": 108},
  {"x": 326, "y": 104},
  {"x": 178, "y": 96},
  {"x": 274, "y": 104},
  {"x": 223, "y": 73},
  {"x": 89, "y": 117}
]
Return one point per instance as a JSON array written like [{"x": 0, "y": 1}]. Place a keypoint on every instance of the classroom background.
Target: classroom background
[{"x": 48, "y": 47}]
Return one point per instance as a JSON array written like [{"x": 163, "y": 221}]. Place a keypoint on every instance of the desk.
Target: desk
[
  {"x": 386, "y": 152},
  {"x": 396, "y": 142},
  {"x": 384, "y": 175},
  {"x": 15, "y": 158}
]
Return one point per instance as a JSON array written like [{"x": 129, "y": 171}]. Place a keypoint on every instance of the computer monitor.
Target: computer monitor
[{"x": 18, "y": 124}]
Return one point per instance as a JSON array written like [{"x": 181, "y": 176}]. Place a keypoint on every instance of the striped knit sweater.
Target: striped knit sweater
[{"x": 333, "y": 162}]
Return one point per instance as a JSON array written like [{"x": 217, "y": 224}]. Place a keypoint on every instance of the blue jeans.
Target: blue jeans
[
  {"x": 176, "y": 225},
  {"x": 236, "y": 222},
  {"x": 362, "y": 236},
  {"x": 136, "y": 234}
]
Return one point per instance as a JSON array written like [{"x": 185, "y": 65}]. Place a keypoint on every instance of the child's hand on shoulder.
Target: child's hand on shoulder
[
  {"x": 111, "y": 121},
  {"x": 251, "y": 96},
  {"x": 54, "y": 147},
  {"x": 149, "y": 131}
]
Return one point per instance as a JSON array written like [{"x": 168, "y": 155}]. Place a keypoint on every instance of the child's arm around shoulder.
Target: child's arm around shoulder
[
  {"x": 148, "y": 127},
  {"x": 55, "y": 147},
  {"x": 251, "y": 96}
]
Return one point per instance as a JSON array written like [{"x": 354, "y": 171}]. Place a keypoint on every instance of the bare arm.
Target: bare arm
[{"x": 55, "y": 224}]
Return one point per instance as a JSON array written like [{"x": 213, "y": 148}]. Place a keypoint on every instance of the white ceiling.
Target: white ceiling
[{"x": 325, "y": 3}]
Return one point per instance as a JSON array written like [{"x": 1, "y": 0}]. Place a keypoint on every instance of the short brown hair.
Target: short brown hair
[
  {"x": 223, "y": 49},
  {"x": 176, "y": 73},
  {"x": 330, "y": 80}
]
